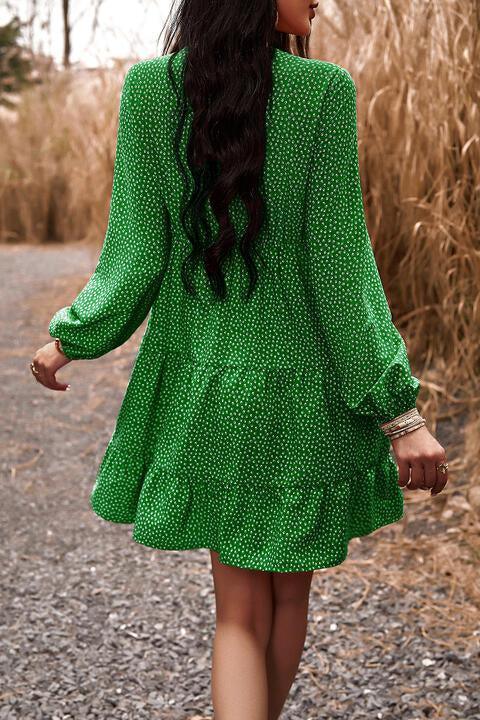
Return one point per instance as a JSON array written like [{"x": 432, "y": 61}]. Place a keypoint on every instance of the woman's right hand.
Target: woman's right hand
[
  {"x": 46, "y": 361},
  {"x": 418, "y": 453}
]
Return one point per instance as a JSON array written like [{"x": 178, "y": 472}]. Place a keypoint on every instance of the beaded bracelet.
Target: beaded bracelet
[
  {"x": 419, "y": 423},
  {"x": 406, "y": 422}
]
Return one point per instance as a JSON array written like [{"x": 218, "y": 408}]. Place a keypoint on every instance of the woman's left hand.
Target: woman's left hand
[{"x": 45, "y": 363}]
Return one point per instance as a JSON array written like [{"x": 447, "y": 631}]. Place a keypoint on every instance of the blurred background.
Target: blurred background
[{"x": 73, "y": 584}]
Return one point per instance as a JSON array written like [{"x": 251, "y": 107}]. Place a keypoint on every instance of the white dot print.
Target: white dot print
[{"x": 248, "y": 427}]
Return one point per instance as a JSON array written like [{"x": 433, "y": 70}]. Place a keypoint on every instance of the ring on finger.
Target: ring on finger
[{"x": 34, "y": 370}]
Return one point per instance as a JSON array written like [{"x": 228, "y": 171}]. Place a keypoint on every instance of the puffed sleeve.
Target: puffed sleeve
[
  {"x": 354, "y": 318},
  {"x": 123, "y": 286}
]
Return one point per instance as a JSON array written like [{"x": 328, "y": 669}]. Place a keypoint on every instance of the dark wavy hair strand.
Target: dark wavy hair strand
[{"x": 227, "y": 83}]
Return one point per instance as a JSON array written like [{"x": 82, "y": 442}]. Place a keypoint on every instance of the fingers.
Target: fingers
[
  {"x": 52, "y": 383},
  {"x": 420, "y": 459},
  {"x": 435, "y": 479},
  {"x": 410, "y": 477},
  {"x": 417, "y": 481},
  {"x": 403, "y": 473},
  {"x": 46, "y": 377},
  {"x": 441, "y": 479},
  {"x": 430, "y": 474},
  {"x": 422, "y": 476}
]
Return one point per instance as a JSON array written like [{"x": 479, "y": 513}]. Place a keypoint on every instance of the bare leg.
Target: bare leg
[
  {"x": 243, "y": 624},
  {"x": 291, "y": 592}
]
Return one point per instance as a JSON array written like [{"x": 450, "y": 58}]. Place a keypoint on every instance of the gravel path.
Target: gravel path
[{"x": 94, "y": 625}]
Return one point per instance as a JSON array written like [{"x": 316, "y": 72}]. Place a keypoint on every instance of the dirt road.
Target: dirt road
[{"x": 94, "y": 625}]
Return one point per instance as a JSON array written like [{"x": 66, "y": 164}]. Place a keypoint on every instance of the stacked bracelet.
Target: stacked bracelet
[{"x": 403, "y": 424}]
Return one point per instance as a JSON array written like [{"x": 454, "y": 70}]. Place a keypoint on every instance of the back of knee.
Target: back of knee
[{"x": 248, "y": 611}]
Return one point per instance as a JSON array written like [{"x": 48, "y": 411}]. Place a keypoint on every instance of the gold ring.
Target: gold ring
[
  {"x": 442, "y": 467},
  {"x": 34, "y": 369}
]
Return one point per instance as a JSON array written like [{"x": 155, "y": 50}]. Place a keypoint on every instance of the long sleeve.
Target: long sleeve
[
  {"x": 368, "y": 353},
  {"x": 122, "y": 288}
]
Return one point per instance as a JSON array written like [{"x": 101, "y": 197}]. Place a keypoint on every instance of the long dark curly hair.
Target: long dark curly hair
[{"x": 227, "y": 81}]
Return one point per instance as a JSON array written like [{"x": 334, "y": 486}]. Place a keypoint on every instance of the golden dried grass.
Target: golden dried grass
[
  {"x": 417, "y": 69},
  {"x": 56, "y": 159}
]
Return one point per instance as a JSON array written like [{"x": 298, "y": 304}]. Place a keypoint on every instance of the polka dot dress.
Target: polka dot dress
[{"x": 248, "y": 427}]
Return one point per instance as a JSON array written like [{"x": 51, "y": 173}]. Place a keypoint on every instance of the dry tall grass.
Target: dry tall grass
[
  {"x": 417, "y": 69},
  {"x": 56, "y": 158},
  {"x": 416, "y": 64}
]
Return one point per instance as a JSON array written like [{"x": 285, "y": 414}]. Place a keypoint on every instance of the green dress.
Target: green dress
[{"x": 248, "y": 427}]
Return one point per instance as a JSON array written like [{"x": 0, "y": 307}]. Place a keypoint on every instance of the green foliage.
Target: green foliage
[{"x": 15, "y": 62}]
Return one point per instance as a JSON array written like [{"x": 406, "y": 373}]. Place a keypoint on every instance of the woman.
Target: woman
[{"x": 257, "y": 424}]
